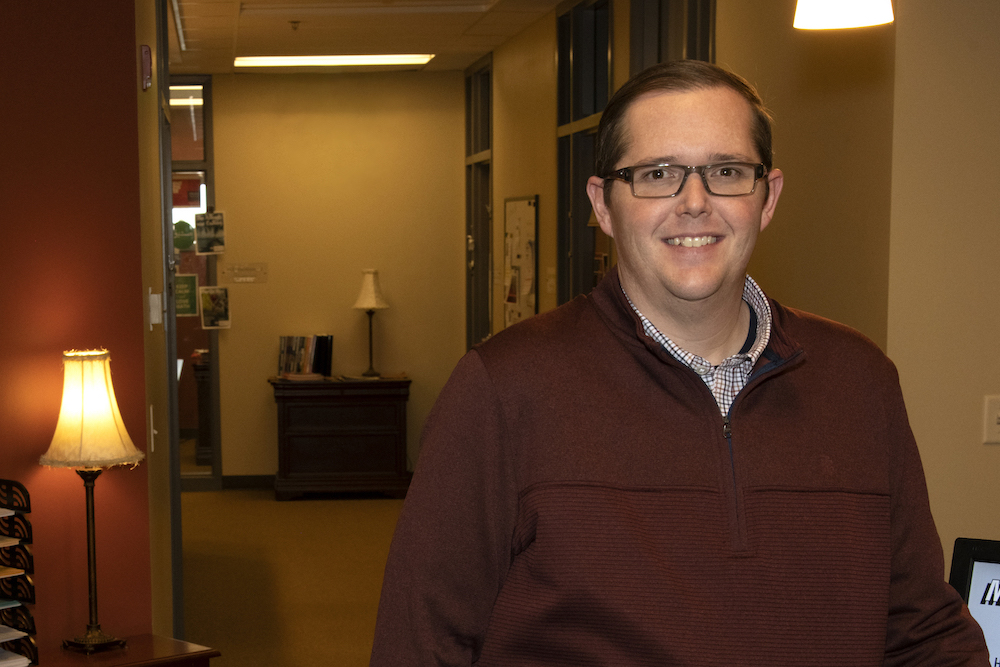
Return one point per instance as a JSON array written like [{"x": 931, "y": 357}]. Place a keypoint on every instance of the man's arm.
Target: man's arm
[
  {"x": 451, "y": 549},
  {"x": 928, "y": 622}
]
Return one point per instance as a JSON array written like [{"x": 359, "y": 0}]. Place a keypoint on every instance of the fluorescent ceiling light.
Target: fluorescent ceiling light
[
  {"x": 338, "y": 7},
  {"x": 836, "y": 14},
  {"x": 186, "y": 102},
  {"x": 334, "y": 61}
]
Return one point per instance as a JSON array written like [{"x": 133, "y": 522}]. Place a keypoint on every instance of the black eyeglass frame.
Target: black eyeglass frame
[{"x": 626, "y": 174}]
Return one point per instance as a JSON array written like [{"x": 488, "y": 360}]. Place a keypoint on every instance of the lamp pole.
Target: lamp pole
[
  {"x": 94, "y": 640},
  {"x": 371, "y": 372}
]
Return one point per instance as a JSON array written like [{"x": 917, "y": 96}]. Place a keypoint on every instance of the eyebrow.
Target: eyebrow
[{"x": 714, "y": 158}]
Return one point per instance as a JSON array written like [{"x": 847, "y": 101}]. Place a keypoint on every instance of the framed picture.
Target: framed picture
[
  {"x": 214, "y": 307},
  {"x": 520, "y": 250},
  {"x": 209, "y": 233}
]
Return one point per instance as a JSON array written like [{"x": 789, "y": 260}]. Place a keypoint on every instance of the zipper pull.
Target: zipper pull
[{"x": 727, "y": 429}]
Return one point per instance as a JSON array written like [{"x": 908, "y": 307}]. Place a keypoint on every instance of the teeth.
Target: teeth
[{"x": 692, "y": 241}]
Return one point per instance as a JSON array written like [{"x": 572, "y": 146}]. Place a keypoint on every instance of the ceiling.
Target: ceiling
[{"x": 458, "y": 32}]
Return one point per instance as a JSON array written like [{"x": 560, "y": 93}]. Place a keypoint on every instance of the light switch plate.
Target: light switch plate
[{"x": 155, "y": 309}]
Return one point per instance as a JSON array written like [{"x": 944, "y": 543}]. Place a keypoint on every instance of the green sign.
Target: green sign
[
  {"x": 183, "y": 235},
  {"x": 186, "y": 294}
]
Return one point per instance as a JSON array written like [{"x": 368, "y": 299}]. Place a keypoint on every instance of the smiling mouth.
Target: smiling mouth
[{"x": 693, "y": 241}]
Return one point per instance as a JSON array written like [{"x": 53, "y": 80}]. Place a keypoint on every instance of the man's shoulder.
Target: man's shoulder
[
  {"x": 819, "y": 335},
  {"x": 543, "y": 333}
]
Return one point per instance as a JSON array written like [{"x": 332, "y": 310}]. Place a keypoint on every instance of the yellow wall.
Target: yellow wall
[
  {"x": 157, "y": 463},
  {"x": 524, "y": 157},
  {"x": 831, "y": 92},
  {"x": 319, "y": 177},
  {"x": 524, "y": 148},
  {"x": 945, "y": 249}
]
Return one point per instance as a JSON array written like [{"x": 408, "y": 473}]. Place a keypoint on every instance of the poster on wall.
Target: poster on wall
[
  {"x": 209, "y": 233},
  {"x": 186, "y": 294},
  {"x": 214, "y": 307},
  {"x": 520, "y": 258}
]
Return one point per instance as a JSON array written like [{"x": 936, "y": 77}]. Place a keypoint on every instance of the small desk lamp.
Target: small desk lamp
[
  {"x": 90, "y": 435},
  {"x": 369, "y": 300}
]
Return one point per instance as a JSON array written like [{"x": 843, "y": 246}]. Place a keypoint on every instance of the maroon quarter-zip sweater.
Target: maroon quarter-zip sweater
[{"x": 579, "y": 500}]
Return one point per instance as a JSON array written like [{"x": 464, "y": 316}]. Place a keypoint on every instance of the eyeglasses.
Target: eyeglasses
[{"x": 727, "y": 179}]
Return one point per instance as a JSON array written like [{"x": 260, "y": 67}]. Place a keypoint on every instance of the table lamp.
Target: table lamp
[
  {"x": 90, "y": 436},
  {"x": 369, "y": 300}
]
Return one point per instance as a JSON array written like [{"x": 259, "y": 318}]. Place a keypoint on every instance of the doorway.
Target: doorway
[{"x": 197, "y": 359}]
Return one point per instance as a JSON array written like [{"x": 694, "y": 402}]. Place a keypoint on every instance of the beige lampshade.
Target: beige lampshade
[
  {"x": 370, "y": 296},
  {"x": 835, "y": 14},
  {"x": 90, "y": 432}
]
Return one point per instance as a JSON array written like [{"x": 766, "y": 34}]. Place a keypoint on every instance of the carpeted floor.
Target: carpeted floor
[{"x": 284, "y": 584}]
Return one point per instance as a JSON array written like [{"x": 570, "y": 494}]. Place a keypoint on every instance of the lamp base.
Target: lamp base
[{"x": 93, "y": 642}]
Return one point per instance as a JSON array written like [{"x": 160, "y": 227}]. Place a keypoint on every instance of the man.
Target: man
[{"x": 673, "y": 470}]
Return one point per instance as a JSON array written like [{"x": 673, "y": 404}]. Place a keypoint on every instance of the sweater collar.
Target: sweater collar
[{"x": 613, "y": 306}]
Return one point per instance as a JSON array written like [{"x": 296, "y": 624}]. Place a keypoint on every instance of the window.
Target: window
[
  {"x": 584, "y": 85},
  {"x": 664, "y": 30},
  {"x": 478, "y": 193}
]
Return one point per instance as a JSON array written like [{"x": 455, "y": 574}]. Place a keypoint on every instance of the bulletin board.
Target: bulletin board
[{"x": 520, "y": 250}]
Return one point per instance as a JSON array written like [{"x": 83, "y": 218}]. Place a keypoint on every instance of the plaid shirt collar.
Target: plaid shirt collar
[{"x": 731, "y": 375}]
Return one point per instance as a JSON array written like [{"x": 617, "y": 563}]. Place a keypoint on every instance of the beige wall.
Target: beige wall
[
  {"x": 157, "y": 461},
  {"x": 321, "y": 176},
  {"x": 524, "y": 157},
  {"x": 524, "y": 148},
  {"x": 945, "y": 250},
  {"x": 826, "y": 250}
]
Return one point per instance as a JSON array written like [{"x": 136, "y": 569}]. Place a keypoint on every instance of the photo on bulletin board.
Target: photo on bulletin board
[
  {"x": 214, "y": 307},
  {"x": 520, "y": 249},
  {"x": 186, "y": 294},
  {"x": 209, "y": 233}
]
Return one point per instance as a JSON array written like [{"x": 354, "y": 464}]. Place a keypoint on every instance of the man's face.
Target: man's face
[{"x": 693, "y": 247}]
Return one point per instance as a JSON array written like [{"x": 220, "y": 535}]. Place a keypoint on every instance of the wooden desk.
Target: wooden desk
[
  {"x": 341, "y": 435},
  {"x": 141, "y": 651}
]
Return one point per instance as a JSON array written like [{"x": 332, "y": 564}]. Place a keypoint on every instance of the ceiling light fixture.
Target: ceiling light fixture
[
  {"x": 837, "y": 14},
  {"x": 390, "y": 59}
]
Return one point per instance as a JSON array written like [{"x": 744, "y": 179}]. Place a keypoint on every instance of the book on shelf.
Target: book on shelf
[
  {"x": 7, "y": 604},
  {"x": 8, "y": 659},
  {"x": 6, "y": 512},
  {"x": 9, "y": 571},
  {"x": 305, "y": 357},
  {"x": 10, "y": 634},
  {"x": 7, "y": 541}
]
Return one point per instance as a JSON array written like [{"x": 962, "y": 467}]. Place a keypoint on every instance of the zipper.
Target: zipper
[
  {"x": 738, "y": 520},
  {"x": 738, "y": 511}
]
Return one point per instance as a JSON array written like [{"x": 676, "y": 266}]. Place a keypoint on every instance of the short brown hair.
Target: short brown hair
[{"x": 674, "y": 76}]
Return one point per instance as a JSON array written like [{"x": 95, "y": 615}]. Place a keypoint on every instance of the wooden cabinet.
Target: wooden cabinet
[
  {"x": 140, "y": 651},
  {"x": 341, "y": 435}
]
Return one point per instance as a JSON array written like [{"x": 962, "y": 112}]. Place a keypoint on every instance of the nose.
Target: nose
[{"x": 693, "y": 198}]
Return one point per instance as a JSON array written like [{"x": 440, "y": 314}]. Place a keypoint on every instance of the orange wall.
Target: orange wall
[{"x": 70, "y": 278}]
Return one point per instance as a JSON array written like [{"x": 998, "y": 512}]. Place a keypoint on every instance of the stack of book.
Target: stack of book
[{"x": 305, "y": 357}]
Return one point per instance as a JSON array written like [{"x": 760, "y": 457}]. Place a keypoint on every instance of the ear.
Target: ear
[
  {"x": 595, "y": 190},
  {"x": 775, "y": 181}
]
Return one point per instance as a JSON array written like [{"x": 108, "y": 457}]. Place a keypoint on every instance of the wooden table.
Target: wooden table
[
  {"x": 341, "y": 436},
  {"x": 142, "y": 650}
]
